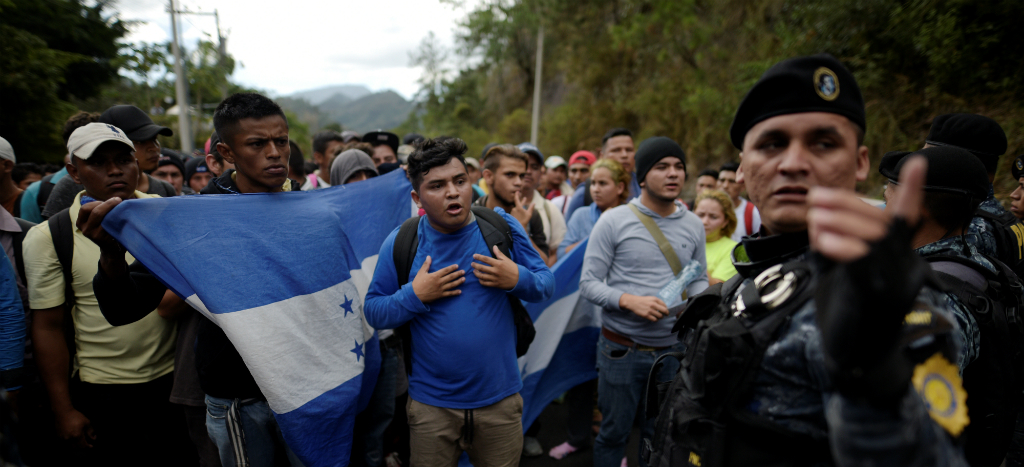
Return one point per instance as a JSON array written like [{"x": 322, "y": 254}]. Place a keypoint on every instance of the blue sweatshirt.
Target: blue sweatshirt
[
  {"x": 463, "y": 347},
  {"x": 12, "y": 326}
]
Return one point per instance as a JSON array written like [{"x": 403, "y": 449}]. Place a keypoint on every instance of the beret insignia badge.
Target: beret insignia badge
[{"x": 826, "y": 84}]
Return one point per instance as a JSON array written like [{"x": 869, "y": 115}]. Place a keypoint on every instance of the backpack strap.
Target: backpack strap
[
  {"x": 16, "y": 241},
  {"x": 659, "y": 238},
  {"x": 404, "y": 252},
  {"x": 963, "y": 278},
  {"x": 495, "y": 229},
  {"x": 497, "y": 232},
  {"x": 63, "y": 236},
  {"x": 748, "y": 217}
]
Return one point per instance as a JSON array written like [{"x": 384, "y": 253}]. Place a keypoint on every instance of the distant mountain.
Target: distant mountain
[
  {"x": 383, "y": 110},
  {"x": 319, "y": 95}
]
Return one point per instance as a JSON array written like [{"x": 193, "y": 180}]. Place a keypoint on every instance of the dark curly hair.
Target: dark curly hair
[
  {"x": 434, "y": 153},
  {"x": 77, "y": 121}
]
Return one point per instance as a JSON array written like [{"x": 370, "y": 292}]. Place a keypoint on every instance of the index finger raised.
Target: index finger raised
[{"x": 908, "y": 198}]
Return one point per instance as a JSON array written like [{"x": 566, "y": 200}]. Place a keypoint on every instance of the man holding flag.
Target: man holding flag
[
  {"x": 464, "y": 379},
  {"x": 244, "y": 419}
]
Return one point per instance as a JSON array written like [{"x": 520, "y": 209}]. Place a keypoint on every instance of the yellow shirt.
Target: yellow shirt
[
  {"x": 719, "y": 254},
  {"x": 105, "y": 354}
]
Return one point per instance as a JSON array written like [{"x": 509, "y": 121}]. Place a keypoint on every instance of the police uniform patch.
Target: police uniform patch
[
  {"x": 1020, "y": 164},
  {"x": 938, "y": 383},
  {"x": 918, "y": 317},
  {"x": 826, "y": 84}
]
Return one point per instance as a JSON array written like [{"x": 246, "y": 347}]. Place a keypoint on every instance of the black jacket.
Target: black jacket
[{"x": 222, "y": 373}]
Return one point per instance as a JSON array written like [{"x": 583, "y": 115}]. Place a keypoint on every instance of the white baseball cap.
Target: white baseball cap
[
  {"x": 84, "y": 141},
  {"x": 6, "y": 151},
  {"x": 555, "y": 161}
]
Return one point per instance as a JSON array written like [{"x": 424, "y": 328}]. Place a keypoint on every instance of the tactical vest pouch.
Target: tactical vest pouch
[{"x": 700, "y": 421}]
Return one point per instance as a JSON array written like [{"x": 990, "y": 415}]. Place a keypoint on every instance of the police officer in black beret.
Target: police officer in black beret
[
  {"x": 994, "y": 231},
  {"x": 807, "y": 356},
  {"x": 955, "y": 185}
]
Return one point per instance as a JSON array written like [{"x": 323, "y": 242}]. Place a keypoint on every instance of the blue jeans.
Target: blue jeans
[
  {"x": 374, "y": 420},
  {"x": 263, "y": 442},
  {"x": 621, "y": 378}
]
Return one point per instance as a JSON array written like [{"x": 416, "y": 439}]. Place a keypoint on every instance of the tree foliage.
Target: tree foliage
[
  {"x": 51, "y": 51},
  {"x": 679, "y": 68}
]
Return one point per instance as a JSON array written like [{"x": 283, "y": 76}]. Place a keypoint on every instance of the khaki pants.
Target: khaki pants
[{"x": 493, "y": 439}]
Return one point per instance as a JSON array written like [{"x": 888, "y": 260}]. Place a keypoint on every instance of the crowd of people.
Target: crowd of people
[{"x": 820, "y": 330}]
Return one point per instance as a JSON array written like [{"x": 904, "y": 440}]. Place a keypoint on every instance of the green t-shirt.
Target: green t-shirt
[{"x": 719, "y": 263}]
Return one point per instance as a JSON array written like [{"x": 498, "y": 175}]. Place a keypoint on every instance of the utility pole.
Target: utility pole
[
  {"x": 184, "y": 127},
  {"x": 536, "y": 86},
  {"x": 221, "y": 53}
]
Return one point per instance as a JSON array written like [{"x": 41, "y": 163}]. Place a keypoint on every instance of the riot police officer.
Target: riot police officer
[{"x": 827, "y": 348}]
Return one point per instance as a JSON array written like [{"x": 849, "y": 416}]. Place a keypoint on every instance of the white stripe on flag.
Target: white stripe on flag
[{"x": 302, "y": 347}]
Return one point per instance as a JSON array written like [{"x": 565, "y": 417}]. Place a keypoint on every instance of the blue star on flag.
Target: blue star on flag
[
  {"x": 347, "y": 306},
  {"x": 358, "y": 350}
]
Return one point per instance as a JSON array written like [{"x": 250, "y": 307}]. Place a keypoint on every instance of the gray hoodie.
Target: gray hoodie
[
  {"x": 349, "y": 163},
  {"x": 622, "y": 257}
]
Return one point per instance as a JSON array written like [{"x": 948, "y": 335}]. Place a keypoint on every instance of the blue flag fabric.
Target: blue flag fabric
[
  {"x": 564, "y": 352},
  {"x": 284, "y": 274}
]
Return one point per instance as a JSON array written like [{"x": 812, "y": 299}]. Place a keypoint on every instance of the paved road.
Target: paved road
[{"x": 552, "y": 433}]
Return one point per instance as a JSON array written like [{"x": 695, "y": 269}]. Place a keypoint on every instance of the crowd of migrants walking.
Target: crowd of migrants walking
[{"x": 777, "y": 317}]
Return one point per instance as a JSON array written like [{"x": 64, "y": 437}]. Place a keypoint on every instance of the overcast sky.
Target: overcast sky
[{"x": 294, "y": 45}]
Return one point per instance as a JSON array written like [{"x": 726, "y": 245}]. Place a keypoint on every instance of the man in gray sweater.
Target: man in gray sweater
[{"x": 624, "y": 269}]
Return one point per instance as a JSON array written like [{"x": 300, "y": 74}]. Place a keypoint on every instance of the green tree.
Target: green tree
[{"x": 51, "y": 51}]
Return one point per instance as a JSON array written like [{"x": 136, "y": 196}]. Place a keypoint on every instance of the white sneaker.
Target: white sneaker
[{"x": 531, "y": 447}]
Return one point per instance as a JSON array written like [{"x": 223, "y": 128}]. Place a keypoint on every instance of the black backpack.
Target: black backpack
[
  {"x": 1009, "y": 235},
  {"x": 496, "y": 232},
  {"x": 993, "y": 381},
  {"x": 62, "y": 232}
]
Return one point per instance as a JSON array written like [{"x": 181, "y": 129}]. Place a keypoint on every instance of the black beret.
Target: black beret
[
  {"x": 1017, "y": 169},
  {"x": 887, "y": 167},
  {"x": 653, "y": 150},
  {"x": 978, "y": 134},
  {"x": 818, "y": 83},
  {"x": 951, "y": 170}
]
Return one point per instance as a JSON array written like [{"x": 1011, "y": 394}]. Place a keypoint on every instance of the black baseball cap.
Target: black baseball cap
[
  {"x": 379, "y": 137},
  {"x": 135, "y": 123}
]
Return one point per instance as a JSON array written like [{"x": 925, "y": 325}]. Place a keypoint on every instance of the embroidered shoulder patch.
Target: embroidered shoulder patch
[{"x": 938, "y": 383}]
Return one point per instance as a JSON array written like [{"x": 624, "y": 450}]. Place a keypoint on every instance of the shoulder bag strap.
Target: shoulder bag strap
[{"x": 663, "y": 244}]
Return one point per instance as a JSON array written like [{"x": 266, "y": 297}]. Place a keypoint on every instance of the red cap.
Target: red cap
[{"x": 585, "y": 157}]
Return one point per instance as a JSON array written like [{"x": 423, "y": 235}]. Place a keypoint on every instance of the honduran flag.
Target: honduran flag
[
  {"x": 284, "y": 274},
  {"x": 564, "y": 352}
]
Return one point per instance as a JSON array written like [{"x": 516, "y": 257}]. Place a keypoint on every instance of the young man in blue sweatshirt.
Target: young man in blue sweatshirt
[{"x": 464, "y": 379}]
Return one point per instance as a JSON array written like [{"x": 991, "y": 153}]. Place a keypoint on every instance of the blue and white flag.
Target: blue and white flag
[
  {"x": 284, "y": 275},
  {"x": 564, "y": 352}
]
